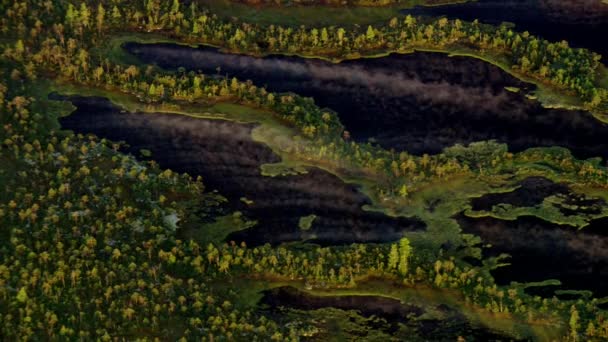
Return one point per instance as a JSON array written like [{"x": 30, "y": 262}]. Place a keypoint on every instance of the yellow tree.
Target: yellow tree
[
  {"x": 99, "y": 18},
  {"x": 405, "y": 251}
]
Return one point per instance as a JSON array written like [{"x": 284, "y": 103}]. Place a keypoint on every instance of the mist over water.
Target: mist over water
[
  {"x": 227, "y": 158},
  {"x": 420, "y": 102}
]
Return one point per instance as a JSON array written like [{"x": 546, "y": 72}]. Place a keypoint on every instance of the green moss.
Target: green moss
[
  {"x": 580, "y": 293},
  {"x": 145, "y": 153},
  {"x": 246, "y": 200},
  {"x": 282, "y": 169},
  {"x": 548, "y": 282},
  {"x": 219, "y": 229},
  {"x": 305, "y": 222},
  {"x": 513, "y": 89}
]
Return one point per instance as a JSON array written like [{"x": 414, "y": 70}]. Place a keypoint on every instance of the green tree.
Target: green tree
[
  {"x": 175, "y": 6},
  {"x": 393, "y": 257},
  {"x": 19, "y": 48},
  {"x": 116, "y": 16},
  {"x": 574, "y": 323},
  {"x": 22, "y": 295},
  {"x": 85, "y": 15},
  {"x": 70, "y": 15},
  {"x": 324, "y": 36},
  {"x": 403, "y": 191},
  {"x": 410, "y": 21},
  {"x": 101, "y": 14},
  {"x": 370, "y": 35},
  {"x": 590, "y": 332},
  {"x": 405, "y": 251},
  {"x": 341, "y": 33}
]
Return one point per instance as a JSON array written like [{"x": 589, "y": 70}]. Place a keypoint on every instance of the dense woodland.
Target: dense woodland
[{"x": 81, "y": 220}]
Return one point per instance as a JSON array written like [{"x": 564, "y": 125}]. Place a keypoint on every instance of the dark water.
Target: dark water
[
  {"x": 541, "y": 250},
  {"x": 420, "y": 102},
  {"x": 533, "y": 190},
  {"x": 391, "y": 310},
  {"x": 387, "y": 308},
  {"x": 583, "y": 23},
  {"x": 530, "y": 192},
  {"x": 227, "y": 158}
]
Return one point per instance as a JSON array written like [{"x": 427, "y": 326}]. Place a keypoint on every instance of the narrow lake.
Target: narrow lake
[{"x": 421, "y": 102}]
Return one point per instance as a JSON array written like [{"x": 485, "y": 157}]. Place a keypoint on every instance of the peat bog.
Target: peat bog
[
  {"x": 421, "y": 102},
  {"x": 227, "y": 158}
]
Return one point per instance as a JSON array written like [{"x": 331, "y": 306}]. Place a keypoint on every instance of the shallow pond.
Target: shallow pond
[
  {"x": 391, "y": 310},
  {"x": 583, "y": 23},
  {"x": 542, "y": 250},
  {"x": 421, "y": 102},
  {"x": 227, "y": 158}
]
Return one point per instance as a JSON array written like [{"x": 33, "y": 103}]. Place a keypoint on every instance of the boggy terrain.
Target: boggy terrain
[
  {"x": 532, "y": 191},
  {"x": 541, "y": 250},
  {"x": 227, "y": 158},
  {"x": 396, "y": 314},
  {"x": 420, "y": 102},
  {"x": 577, "y": 21}
]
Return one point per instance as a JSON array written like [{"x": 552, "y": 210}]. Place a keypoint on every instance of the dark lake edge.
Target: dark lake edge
[
  {"x": 421, "y": 102},
  {"x": 392, "y": 311}
]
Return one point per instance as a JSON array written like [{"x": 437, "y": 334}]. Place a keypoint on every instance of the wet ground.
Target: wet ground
[
  {"x": 227, "y": 158},
  {"x": 421, "y": 102}
]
